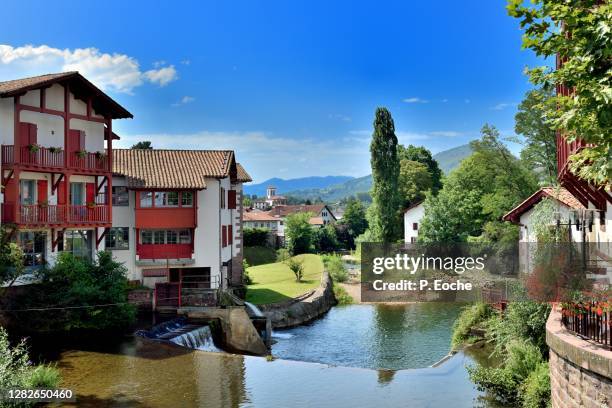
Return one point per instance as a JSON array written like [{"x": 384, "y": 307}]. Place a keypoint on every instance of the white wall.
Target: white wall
[
  {"x": 7, "y": 120},
  {"x": 411, "y": 216}
]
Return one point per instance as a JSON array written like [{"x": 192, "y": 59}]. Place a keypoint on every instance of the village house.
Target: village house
[
  {"x": 271, "y": 200},
  {"x": 171, "y": 216},
  {"x": 321, "y": 214},
  {"x": 412, "y": 221}
]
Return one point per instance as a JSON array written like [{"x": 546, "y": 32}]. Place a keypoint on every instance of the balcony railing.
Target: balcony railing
[
  {"x": 45, "y": 157},
  {"x": 40, "y": 214},
  {"x": 163, "y": 251},
  {"x": 590, "y": 320}
]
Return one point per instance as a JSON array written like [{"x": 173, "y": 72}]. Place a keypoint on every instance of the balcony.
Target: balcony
[
  {"x": 154, "y": 254},
  {"x": 51, "y": 159},
  {"x": 39, "y": 215}
]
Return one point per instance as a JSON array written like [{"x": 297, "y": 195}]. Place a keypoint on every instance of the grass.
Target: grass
[
  {"x": 274, "y": 282},
  {"x": 469, "y": 317},
  {"x": 259, "y": 255},
  {"x": 342, "y": 295}
]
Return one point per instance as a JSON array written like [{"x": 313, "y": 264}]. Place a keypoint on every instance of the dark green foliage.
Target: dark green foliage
[
  {"x": 470, "y": 317},
  {"x": 355, "y": 222},
  {"x": 335, "y": 268},
  {"x": 259, "y": 255},
  {"x": 536, "y": 388},
  {"x": 246, "y": 278},
  {"x": 421, "y": 155},
  {"x": 256, "y": 237},
  {"x": 11, "y": 258},
  {"x": 299, "y": 233},
  {"x": 325, "y": 239},
  {"x": 385, "y": 176},
  {"x": 83, "y": 295},
  {"x": 342, "y": 296},
  {"x": 145, "y": 144}
]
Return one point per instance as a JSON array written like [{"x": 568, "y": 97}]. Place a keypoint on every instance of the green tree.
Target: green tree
[
  {"x": 415, "y": 181},
  {"x": 325, "y": 239},
  {"x": 299, "y": 233},
  {"x": 297, "y": 267},
  {"x": 247, "y": 202},
  {"x": 11, "y": 259},
  {"x": 354, "y": 217},
  {"x": 481, "y": 190},
  {"x": 422, "y": 155},
  {"x": 539, "y": 142},
  {"x": 385, "y": 174},
  {"x": 145, "y": 144},
  {"x": 584, "y": 42}
]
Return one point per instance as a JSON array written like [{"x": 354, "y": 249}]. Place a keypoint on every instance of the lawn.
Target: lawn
[{"x": 275, "y": 282}]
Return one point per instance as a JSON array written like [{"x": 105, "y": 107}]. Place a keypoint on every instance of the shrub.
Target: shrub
[
  {"x": 536, "y": 388},
  {"x": 342, "y": 295},
  {"x": 259, "y": 255},
  {"x": 246, "y": 278},
  {"x": 297, "y": 267},
  {"x": 256, "y": 237},
  {"x": 325, "y": 239},
  {"x": 16, "y": 370},
  {"x": 469, "y": 317},
  {"x": 335, "y": 267},
  {"x": 282, "y": 255},
  {"x": 299, "y": 233}
]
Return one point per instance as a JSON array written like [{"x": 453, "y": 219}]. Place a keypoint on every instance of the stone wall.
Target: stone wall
[
  {"x": 580, "y": 371},
  {"x": 303, "y": 309}
]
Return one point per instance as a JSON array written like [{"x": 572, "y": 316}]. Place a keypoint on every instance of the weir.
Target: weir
[{"x": 181, "y": 333}]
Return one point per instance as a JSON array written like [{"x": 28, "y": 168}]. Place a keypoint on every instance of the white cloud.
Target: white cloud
[
  {"x": 339, "y": 116},
  {"x": 111, "y": 72},
  {"x": 446, "y": 133},
  {"x": 158, "y": 64},
  {"x": 502, "y": 106},
  {"x": 162, "y": 76},
  {"x": 415, "y": 99},
  {"x": 184, "y": 100}
]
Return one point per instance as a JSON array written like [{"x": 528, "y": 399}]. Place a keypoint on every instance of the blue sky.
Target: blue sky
[{"x": 291, "y": 86}]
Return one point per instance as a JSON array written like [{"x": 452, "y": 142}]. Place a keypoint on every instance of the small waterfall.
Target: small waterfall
[
  {"x": 253, "y": 310},
  {"x": 198, "y": 339}
]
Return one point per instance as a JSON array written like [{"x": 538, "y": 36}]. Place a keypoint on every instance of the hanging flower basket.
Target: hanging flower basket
[
  {"x": 55, "y": 150},
  {"x": 81, "y": 154},
  {"x": 91, "y": 205},
  {"x": 33, "y": 148},
  {"x": 100, "y": 155}
]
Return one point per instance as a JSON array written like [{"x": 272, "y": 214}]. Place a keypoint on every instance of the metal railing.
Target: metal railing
[{"x": 590, "y": 320}]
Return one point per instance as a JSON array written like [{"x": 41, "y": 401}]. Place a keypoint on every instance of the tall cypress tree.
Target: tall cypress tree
[{"x": 385, "y": 173}]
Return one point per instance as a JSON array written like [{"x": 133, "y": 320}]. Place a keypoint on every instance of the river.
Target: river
[{"x": 358, "y": 356}]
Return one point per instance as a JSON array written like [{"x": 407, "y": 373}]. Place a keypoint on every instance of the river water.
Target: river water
[{"x": 361, "y": 347}]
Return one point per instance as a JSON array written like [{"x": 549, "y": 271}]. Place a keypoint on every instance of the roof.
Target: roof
[
  {"x": 558, "y": 193},
  {"x": 258, "y": 216},
  {"x": 285, "y": 210},
  {"x": 79, "y": 86},
  {"x": 316, "y": 221},
  {"x": 414, "y": 205},
  {"x": 155, "y": 168},
  {"x": 242, "y": 175}
]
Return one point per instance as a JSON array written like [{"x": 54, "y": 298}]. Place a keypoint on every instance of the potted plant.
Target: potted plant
[
  {"x": 55, "y": 149},
  {"x": 91, "y": 205},
  {"x": 33, "y": 148},
  {"x": 44, "y": 204},
  {"x": 81, "y": 153},
  {"x": 100, "y": 155}
]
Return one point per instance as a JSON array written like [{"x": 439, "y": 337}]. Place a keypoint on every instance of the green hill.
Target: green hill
[{"x": 447, "y": 161}]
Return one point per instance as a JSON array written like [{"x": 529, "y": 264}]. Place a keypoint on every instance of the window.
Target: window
[
  {"x": 222, "y": 198},
  {"x": 415, "y": 226},
  {"x": 159, "y": 237},
  {"x": 118, "y": 238},
  {"x": 28, "y": 192},
  {"x": 34, "y": 247},
  {"x": 185, "y": 237},
  {"x": 187, "y": 199},
  {"x": 413, "y": 240},
  {"x": 77, "y": 193},
  {"x": 120, "y": 196},
  {"x": 146, "y": 199},
  {"x": 223, "y": 236},
  {"x": 146, "y": 237},
  {"x": 171, "y": 237},
  {"x": 79, "y": 243},
  {"x": 230, "y": 235}
]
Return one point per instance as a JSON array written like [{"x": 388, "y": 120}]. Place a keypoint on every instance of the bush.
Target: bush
[
  {"x": 16, "y": 370},
  {"x": 246, "y": 278},
  {"x": 91, "y": 296},
  {"x": 342, "y": 295},
  {"x": 297, "y": 267},
  {"x": 282, "y": 255},
  {"x": 256, "y": 237},
  {"x": 536, "y": 388},
  {"x": 325, "y": 239},
  {"x": 335, "y": 268},
  {"x": 469, "y": 317},
  {"x": 259, "y": 255}
]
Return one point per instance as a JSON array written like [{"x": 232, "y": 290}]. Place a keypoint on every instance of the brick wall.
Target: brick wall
[{"x": 580, "y": 371}]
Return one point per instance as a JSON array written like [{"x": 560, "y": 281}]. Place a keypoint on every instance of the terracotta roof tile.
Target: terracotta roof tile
[
  {"x": 156, "y": 168},
  {"x": 559, "y": 193},
  {"x": 17, "y": 85},
  {"x": 242, "y": 175},
  {"x": 257, "y": 216}
]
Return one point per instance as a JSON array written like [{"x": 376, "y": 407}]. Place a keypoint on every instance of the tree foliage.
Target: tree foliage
[
  {"x": 539, "y": 151},
  {"x": 481, "y": 190},
  {"x": 325, "y": 239},
  {"x": 80, "y": 295},
  {"x": 299, "y": 233},
  {"x": 415, "y": 181},
  {"x": 354, "y": 219},
  {"x": 145, "y": 144},
  {"x": 256, "y": 237},
  {"x": 384, "y": 160},
  {"x": 11, "y": 259},
  {"x": 422, "y": 155},
  {"x": 297, "y": 267},
  {"x": 580, "y": 33}
]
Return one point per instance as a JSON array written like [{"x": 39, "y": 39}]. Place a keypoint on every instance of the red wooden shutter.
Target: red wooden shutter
[
  {"x": 230, "y": 235},
  {"x": 223, "y": 236},
  {"x": 61, "y": 193},
  {"x": 42, "y": 191},
  {"x": 74, "y": 141},
  {"x": 231, "y": 199},
  {"x": 27, "y": 134},
  {"x": 90, "y": 192}
]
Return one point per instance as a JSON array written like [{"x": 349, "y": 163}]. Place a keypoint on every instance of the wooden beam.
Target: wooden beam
[
  {"x": 99, "y": 186},
  {"x": 101, "y": 237},
  {"x": 55, "y": 237},
  {"x": 6, "y": 179},
  {"x": 55, "y": 183}
]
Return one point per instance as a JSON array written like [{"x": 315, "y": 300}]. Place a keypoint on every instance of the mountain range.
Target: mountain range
[{"x": 334, "y": 188}]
